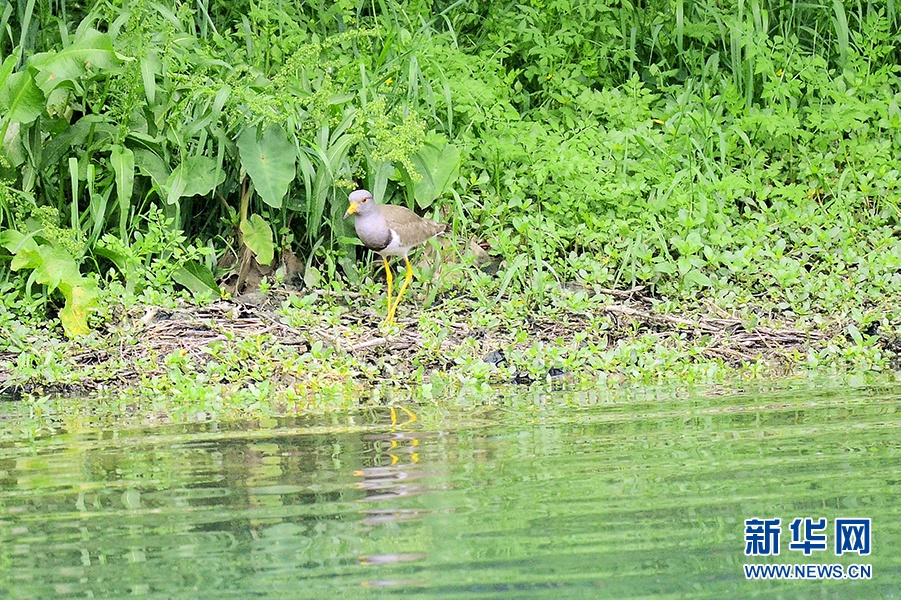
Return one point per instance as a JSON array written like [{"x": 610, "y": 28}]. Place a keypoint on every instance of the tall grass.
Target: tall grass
[{"x": 637, "y": 135}]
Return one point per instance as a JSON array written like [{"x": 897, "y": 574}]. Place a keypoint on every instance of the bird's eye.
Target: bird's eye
[{"x": 364, "y": 200}]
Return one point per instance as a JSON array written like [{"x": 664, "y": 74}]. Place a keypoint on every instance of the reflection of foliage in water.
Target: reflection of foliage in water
[{"x": 549, "y": 493}]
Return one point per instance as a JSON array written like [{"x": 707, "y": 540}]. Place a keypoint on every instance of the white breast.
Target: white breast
[{"x": 394, "y": 248}]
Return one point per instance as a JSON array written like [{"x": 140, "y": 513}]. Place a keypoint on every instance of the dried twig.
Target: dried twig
[{"x": 379, "y": 341}]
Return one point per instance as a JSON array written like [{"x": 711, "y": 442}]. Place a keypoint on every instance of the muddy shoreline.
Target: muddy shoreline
[{"x": 125, "y": 354}]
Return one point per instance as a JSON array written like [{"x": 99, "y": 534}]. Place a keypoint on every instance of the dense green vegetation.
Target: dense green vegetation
[{"x": 743, "y": 153}]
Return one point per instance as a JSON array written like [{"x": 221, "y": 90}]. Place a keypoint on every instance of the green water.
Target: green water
[{"x": 556, "y": 495}]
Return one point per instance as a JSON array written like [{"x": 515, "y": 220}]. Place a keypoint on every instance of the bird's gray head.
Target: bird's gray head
[{"x": 361, "y": 203}]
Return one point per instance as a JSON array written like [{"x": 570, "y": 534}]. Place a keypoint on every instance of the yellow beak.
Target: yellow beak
[{"x": 351, "y": 209}]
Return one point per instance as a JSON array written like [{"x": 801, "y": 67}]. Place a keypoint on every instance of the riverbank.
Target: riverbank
[{"x": 291, "y": 350}]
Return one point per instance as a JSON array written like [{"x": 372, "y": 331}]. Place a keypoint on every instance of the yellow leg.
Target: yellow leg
[
  {"x": 407, "y": 278},
  {"x": 390, "y": 279}
]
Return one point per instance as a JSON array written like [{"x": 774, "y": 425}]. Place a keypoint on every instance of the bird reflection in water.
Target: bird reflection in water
[
  {"x": 394, "y": 476},
  {"x": 399, "y": 448}
]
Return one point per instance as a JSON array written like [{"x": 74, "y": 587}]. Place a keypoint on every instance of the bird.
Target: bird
[{"x": 390, "y": 230}]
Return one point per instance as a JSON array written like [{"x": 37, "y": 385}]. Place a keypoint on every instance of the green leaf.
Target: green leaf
[
  {"x": 662, "y": 266},
  {"x": 91, "y": 49},
  {"x": 12, "y": 239},
  {"x": 270, "y": 162},
  {"x": 198, "y": 278},
  {"x": 695, "y": 278},
  {"x": 79, "y": 300},
  {"x": 150, "y": 66},
  {"x": 13, "y": 148},
  {"x": 55, "y": 268},
  {"x": 26, "y": 252},
  {"x": 258, "y": 237},
  {"x": 123, "y": 161},
  {"x": 21, "y": 99},
  {"x": 60, "y": 146},
  {"x": 150, "y": 164},
  {"x": 438, "y": 165},
  {"x": 118, "y": 258},
  {"x": 312, "y": 277},
  {"x": 197, "y": 176},
  {"x": 6, "y": 69}
]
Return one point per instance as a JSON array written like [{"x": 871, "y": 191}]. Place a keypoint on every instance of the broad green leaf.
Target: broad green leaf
[
  {"x": 176, "y": 183},
  {"x": 150, "y": 66},
  {"x": 312, "y": 277},
  {"x": 270, "y": 162},
  {"x": 79, "y": 299},
  {"x": 196, "y": 176},
  {"x": 438, "y": 165},
  {"x": 205, "y": 174},
  {"x": 258, "y": 237},
  {"x": 21, "y": 99},
  {"x": 6, "y": 69},
  {"x": 198, "y": 279},
  {"x": 57, "y": 269},
  {"x": 123, "y": 161},
  {"x": 26, "y": 252},
  {"x": 139, "y": 140},
  {"x": 12, "y": 239},
  {"x": 150, "y": 164},
  {"x": 57, "y": 104},
  {"x": 379, "y": 173},
  {"x": 91, "y": 49},
  {"x": 13, "y": 147}
]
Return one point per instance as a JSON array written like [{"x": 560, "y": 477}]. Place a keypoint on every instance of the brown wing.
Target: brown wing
[{"x": 411, "y": 228}]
